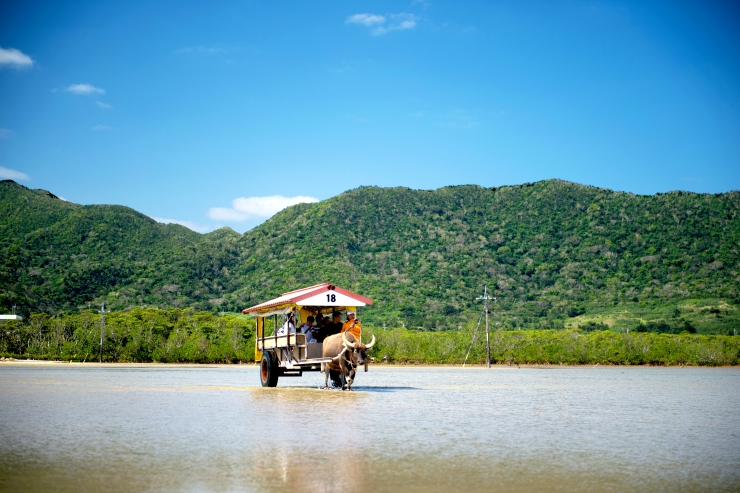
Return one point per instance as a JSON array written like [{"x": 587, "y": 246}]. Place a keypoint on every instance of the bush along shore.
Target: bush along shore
[
  {"x": 139, "y": 335},
  {"x": 187, "y": 336},
  {"x": 571, "y": 347}
]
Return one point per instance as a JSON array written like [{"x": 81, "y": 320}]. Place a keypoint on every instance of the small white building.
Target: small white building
[{"x": 11, "y": 317}]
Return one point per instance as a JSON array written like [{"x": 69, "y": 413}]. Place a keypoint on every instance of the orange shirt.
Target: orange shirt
[{"x": 355, "y": 331}]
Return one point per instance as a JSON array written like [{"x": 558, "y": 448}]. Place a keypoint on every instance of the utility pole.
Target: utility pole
[
  {"x": 485, "y": 299},
  {"x": 102, "y": 331}
]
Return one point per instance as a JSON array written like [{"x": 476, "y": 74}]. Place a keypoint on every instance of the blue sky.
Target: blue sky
[{"x": 198, "y": 111}]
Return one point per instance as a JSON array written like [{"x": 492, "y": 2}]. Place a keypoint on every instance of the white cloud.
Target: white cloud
[
  {"x": 85, "y": 89},
  {"x": 226, "y": 214},
  {"x": 365, "y": 19},
  {"x": 11, "y": 174},
  {"x": 199, "y": 228},
  {"x": 103, "y": 105},
  {"x": 267, "y": 206},
  {"x": 102, "y": 128},
  {"x": 245, "y": 208},
  {"x": 378, "y": 24},
  {"x": 11, "y": 57},
  {"x": 6, "y": 133}
]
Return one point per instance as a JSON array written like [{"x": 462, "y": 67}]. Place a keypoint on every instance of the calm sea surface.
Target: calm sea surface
[{"x": 72, "y": 427}]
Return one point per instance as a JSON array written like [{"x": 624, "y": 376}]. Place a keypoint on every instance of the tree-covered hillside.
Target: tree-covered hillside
[
  {"x": 550, "y": 250},
  {"x": 56, "y": 256},
  {"x": 553, "y": 253}
]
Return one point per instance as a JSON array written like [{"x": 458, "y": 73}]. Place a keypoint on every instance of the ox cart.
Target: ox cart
[{"x": 289, "y": 354}]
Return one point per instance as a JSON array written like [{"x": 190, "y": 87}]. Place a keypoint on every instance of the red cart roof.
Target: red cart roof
[{"x": 320, "y": 295}]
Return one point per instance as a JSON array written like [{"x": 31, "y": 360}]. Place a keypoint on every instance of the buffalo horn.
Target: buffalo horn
[
  {"x": 350, "y": 345},
  {"x": 372, "y": 342}
]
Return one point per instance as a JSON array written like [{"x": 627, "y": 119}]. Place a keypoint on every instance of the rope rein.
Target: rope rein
[{"x": 340, "y": 354}]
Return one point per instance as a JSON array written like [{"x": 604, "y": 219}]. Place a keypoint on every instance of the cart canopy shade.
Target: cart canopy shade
[{"x": 320, "y": 295}]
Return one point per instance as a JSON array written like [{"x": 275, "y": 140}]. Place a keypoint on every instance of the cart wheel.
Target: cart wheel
[
  {"x": 336, "y": 379},
  {"x": 268, "y": 370}
]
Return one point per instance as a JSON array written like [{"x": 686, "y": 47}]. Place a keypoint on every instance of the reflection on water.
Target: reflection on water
[{"x": 199, "y": 428}]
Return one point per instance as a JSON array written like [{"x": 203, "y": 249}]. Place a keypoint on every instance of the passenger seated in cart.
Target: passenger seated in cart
[
  {"x": 288, "y": 326},
  {"x": 352, "y": 325},
  {"x": 308, "y": 328},
  {"x": 334, "y": 327},
  {"x": 317, "y": 329}
]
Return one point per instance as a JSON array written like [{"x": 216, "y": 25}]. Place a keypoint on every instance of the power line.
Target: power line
[{"x": 472, "y": 343}]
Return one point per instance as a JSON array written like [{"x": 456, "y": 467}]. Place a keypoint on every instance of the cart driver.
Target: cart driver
[{"x": 352, "y": 325}]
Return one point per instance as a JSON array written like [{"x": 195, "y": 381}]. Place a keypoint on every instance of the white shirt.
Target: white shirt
[
  {"x": 287, "y": 326},
  {"x": 306, "y": 329}
]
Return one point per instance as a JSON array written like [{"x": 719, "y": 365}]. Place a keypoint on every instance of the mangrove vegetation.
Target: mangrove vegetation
[{"x": 187, "y": 336}]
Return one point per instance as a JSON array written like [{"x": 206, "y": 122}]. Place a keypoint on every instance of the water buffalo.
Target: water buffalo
[{"x": 348, "y": 354}]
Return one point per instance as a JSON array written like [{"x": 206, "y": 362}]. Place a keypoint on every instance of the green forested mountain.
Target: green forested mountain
[
  {"x": 57, "y": 256},
  {"x": 554, "y": 253}
]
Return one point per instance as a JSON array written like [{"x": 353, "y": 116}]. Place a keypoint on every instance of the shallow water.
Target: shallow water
[{"x": 71, "y": 427}]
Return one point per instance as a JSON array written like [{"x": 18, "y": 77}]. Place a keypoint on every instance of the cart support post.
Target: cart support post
[{"x": 260, "y": 337}]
